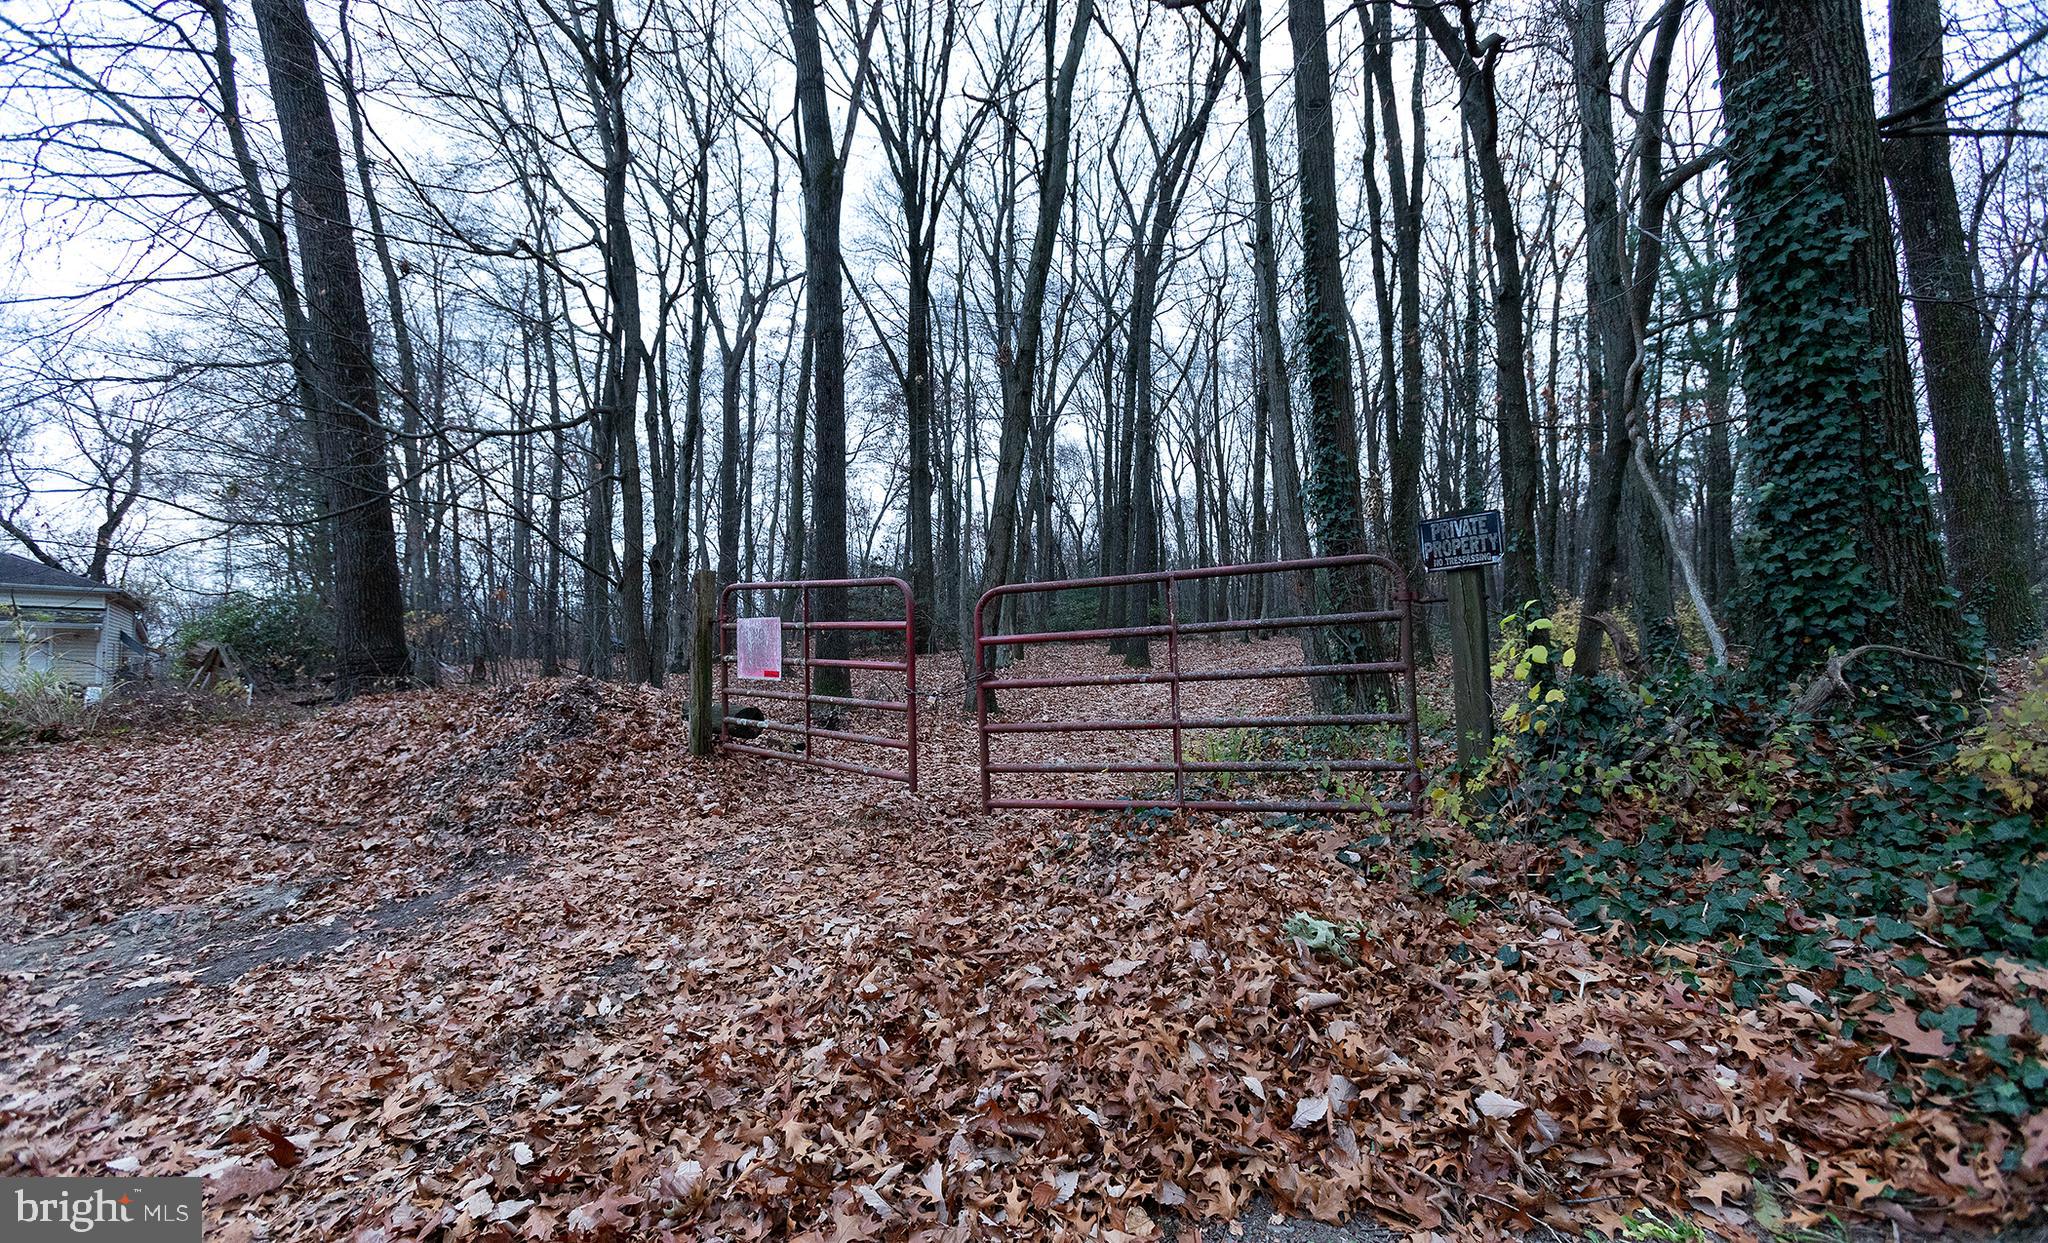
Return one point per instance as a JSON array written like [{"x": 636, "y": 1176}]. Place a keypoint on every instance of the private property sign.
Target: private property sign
[{"x": 1462, "y": 541}]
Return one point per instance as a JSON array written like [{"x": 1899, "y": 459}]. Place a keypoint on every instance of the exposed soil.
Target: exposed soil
[{"x": 105, "y": 974}]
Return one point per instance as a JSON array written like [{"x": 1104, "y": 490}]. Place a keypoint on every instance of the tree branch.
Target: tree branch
[
  {"x": 1830, "y": 680},
  {"x": 1968, "y": 80},
  {"x": 34, "y": 549}
]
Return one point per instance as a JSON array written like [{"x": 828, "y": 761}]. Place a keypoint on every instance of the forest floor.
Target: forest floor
[{"x": 505, "y": 963}]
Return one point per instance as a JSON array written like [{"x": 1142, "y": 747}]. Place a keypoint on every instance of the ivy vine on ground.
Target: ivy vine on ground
[{"x": 1851, "y": 863}]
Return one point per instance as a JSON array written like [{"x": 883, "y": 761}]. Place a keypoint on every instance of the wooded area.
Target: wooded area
[
  {"x": 499, "y": 319},
  {"x": 1697, "y": 881}
]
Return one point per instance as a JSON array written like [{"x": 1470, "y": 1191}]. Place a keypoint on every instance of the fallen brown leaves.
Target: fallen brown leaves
[{"x": 748, "y": 1000}]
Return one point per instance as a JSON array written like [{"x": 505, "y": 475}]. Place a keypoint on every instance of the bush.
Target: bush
[
  {"x": 2010, "y": 750},
  {"x": 42, "y": 707},
  {"x": 1697, "y": 812},
  {"x": 278, "y": 637}
]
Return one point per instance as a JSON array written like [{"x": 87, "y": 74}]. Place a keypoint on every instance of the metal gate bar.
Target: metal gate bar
[
  {"x": 1174, "y": 676},
  {"x": 810, "y": 731}
]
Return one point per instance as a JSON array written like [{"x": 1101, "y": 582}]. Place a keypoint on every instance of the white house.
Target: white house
[{"x": 87, "y": 633}]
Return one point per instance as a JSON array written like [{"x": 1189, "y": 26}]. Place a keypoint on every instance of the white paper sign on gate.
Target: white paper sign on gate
[{"x": 760, "y": 655}]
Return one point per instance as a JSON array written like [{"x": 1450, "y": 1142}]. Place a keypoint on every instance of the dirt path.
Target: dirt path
[{"x": 107, "y": 974}]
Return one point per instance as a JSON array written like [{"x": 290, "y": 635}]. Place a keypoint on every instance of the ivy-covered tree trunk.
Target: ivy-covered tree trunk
[
  {"x": 1844, "y": 547},
  {"x": 1332, "y": 494},
  {"x": 1979, "y": 507}
]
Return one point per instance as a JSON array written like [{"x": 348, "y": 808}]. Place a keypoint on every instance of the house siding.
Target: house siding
[
  {"x": 75, "y": 634},
  {"x": 111, "y": 654},
  {"x": 75, "y": 657}
]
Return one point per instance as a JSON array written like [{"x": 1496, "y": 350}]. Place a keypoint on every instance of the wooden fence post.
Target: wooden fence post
[
  {"x": 704, "y": 614},
  {"x": 1471, "y": 665}
]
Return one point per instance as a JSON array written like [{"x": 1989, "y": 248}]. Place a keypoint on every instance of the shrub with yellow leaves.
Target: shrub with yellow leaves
[{"x": 2009, "y": 751}]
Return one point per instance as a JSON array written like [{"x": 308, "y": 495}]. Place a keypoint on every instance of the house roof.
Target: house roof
[{"x": 23, "y": 572}]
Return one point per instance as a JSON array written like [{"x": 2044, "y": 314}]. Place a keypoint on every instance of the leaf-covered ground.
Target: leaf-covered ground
[{"x": 505, "y": 964}]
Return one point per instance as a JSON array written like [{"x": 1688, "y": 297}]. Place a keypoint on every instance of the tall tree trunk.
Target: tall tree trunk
[
  {"x": 1382, "y": 284},
  {"x": 603, "y": 49},
  {"x": 664, "y": 466},
  {"x": 1609, "y": 351},
  {"x": 597, "y": 554},
  {"x": 687, "y": 555},
  {"x": 1333, "y": 488},
  {"x": 753, "y": 441},
  {"x": 1475, "y": 63},
  {"x": 1845, "y": 530},
  {"x": 1404, "y": 190},
  {"x": 1464, "y": 373},
  {"x": 946, "y": 488},
  {"x": 1553, "y": 489},
  {"x": 524, "y": 493},
  {"x": 1289, "y": 523},
  {"x": 731, "y": 359},
  {"x": 1256, "y": 591},
  {"x": 349, "y": 443},
  {"x": 1719, "y": 514},
  {"x": 2014, "y": 350},
  {"x": 825, "y": 325},
  {"x": 1168, "y": 190},
  {"x": 412, "y": 488},
  {"x": 1143, "y": 527},
  {"x": 1985, "y": 548},
  {"x": 919, "y": 401},
  {"x": 551, "y": 594},
  {"x": 1020, "y": 371},
  {"x": 796, "y": 559},
  {"x": 1113, "y": 534},
  {"x": 909, "y": 107}
]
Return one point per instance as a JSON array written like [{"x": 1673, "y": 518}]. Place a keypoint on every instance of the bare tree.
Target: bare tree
[
  {"x": 1019, "y": 371},
  {"x": 1981, "y": 513},
  {"x": 369, "y": 604},
  {"x": 1475, "y": 61}
]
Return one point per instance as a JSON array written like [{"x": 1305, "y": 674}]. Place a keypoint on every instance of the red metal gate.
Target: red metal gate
[
  {"x": 1400, "y": 671},
  {"x": 809, "y": 732}
]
